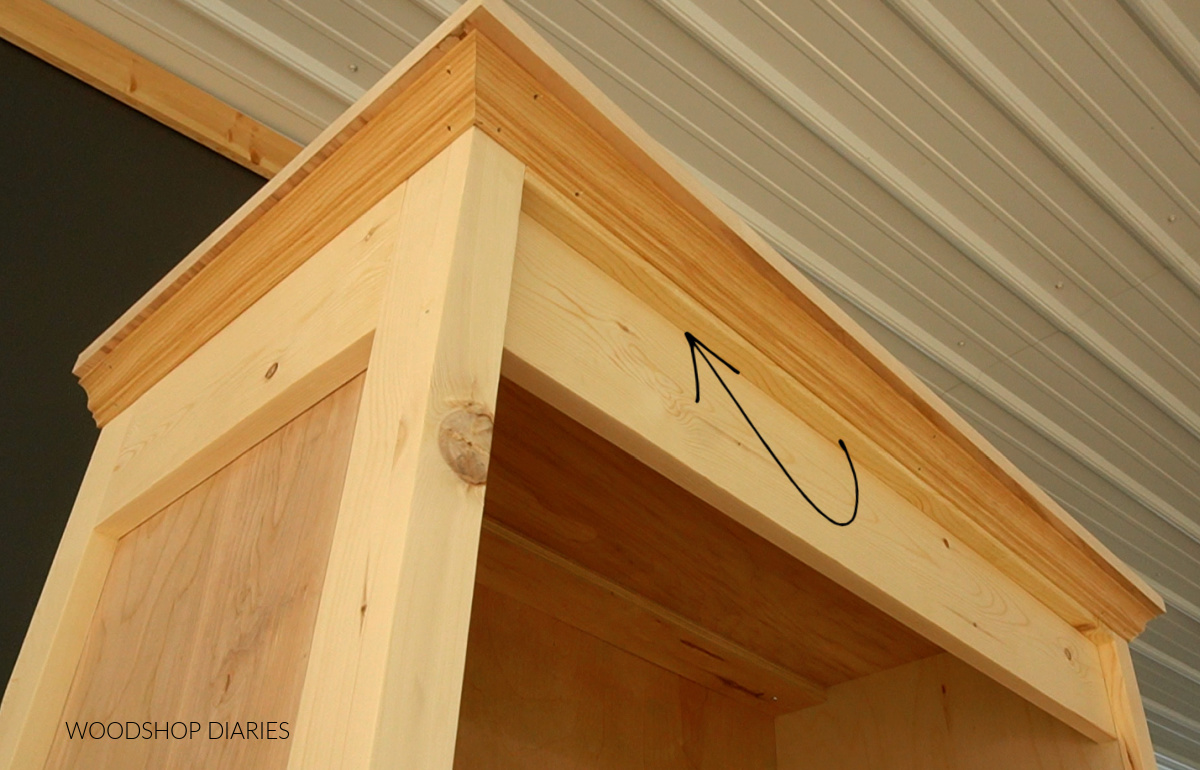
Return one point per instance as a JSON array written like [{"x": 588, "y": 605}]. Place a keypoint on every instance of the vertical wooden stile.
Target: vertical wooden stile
[
  {"x": 385, "y": 673},
  {"x": 1129, "y": 717},
  {"x": 42, "y": 675}
]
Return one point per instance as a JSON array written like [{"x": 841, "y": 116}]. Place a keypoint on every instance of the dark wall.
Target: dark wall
[{"x": 97, "y": 202}]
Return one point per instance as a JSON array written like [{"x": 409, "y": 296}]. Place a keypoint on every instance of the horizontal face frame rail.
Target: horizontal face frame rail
[{"x": 581, "y": 342}]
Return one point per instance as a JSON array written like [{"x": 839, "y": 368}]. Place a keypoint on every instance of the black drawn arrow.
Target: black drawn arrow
[{"x": 697, "y": 345}]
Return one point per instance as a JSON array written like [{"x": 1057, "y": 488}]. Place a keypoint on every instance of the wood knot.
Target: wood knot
[{"x": 465, "y": 440}]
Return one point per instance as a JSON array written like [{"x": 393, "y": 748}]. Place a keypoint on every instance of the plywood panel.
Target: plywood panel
[
  {"x": 541, "y": 694},
  {"x": 557, "y": 483},
  {"x": 207, "y": 610},
  {"x": 935, "y": 714},
  {"x": 532, "y": 574}
]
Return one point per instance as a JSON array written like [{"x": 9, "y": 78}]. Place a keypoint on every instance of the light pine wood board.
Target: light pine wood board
[
  {"x": 603, "y": 249},
  {"x": 420, "y": 60},
  {"x": 386, "y": 90},
  {"x": 541, "y": 694},
  {"x": 534, "y": 575},
  {"x": 304, "y": 338},
  {"x": 1125, "y": 698},
  {"x": 590, "y": 348},
  {"x": 259, "y": 253},
  {"x": 42, "y": 675},
  {"x": 382, "y": 688},
  {"x": 75, "y": 48},
  {"x": 207, "y": 610},
  {"x": 559, "y": 484},
  {"x": 934, "y": 714}
]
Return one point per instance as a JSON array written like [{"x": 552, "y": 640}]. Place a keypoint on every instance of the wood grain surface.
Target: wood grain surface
[
  {"x": 208, "y": 607},
  {"x": 709, "y": 255},
  {"x": 584, "y": 344},
  {"x": 541, "y": 694},
  {"x": 533, "y": 574},
  {"x": 384, "y": 678},
  {"x": 561, "y": 485},
  {"x": 257, "y": 253},
  {"x": 934, "y": 714}
]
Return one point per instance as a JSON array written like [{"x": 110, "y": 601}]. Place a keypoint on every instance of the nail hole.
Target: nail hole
[
  {"x": 272, "y": 369},
  {"x": 536, "y": 96},
  {"x": 945, "y": 542},
  {"x": 1067, "y": 652},
  {"x": 577, "y": 193}
]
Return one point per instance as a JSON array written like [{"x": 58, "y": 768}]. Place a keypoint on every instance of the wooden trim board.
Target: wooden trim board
[
  {"x": 423, "y": 120},
  {"x": 419, "y": 147},
  {"x": 385, "y": 672},
  {"x": 48, "y": 33},
  {"x": 735, "y": 241},
  {"x": 1129, "y": 717}
]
